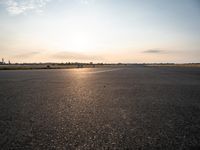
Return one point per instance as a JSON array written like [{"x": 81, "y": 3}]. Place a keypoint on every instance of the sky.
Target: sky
[{"x": 126, "y": 31}]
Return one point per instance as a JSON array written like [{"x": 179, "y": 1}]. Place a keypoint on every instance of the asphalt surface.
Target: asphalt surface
[{"x": 109, "y": 108}]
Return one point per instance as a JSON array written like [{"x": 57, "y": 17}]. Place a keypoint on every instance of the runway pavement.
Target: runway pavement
[{"x": 133, "y": 107}]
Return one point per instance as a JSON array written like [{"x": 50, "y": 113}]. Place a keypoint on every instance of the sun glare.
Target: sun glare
[{"x": 80, "y": 42}]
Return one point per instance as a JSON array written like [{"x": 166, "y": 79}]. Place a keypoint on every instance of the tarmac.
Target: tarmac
[{"x": 133, "y": 107}]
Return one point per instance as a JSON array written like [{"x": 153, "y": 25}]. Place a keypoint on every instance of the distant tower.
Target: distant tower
[
  {"x": 2, "y": 60},
  {"x": 9, "y": 62}
]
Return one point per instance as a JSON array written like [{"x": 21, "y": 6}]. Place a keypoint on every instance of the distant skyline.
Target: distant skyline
[{"x": 127, "y": 31}]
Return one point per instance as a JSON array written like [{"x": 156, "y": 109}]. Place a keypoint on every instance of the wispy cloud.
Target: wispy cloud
[
  {"x": 27, "y": 55},
  {"x": 86, "y": 1},
  {"x": 16, "y": 7},
  {"x": 74, "y": 56},
  {"x": 153, "y": 51}
]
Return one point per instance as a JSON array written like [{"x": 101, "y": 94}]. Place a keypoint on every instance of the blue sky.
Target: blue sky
[{"x": 100, "y": 30}]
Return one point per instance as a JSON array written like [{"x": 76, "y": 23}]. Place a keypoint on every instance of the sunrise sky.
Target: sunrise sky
[{"x": 133, "y": 31}]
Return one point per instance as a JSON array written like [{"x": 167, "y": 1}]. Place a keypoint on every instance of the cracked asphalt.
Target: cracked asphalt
[{"x": 133, "y": 107}]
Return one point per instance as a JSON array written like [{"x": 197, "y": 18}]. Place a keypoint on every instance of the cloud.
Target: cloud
[
  {"x": 27, "y": 55},
  {"x": 16, "y": 7},
  {"x": 74, "y": 56},
  {"x": 153, "y": 51},
  {"x": 86, "y": 1}
]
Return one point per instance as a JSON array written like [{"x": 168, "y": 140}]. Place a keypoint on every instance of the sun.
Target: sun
[{"x": 80, "y": 42}]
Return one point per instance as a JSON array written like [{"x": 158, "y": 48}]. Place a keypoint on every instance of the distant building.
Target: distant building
[{"x": 2, "y": 62}]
